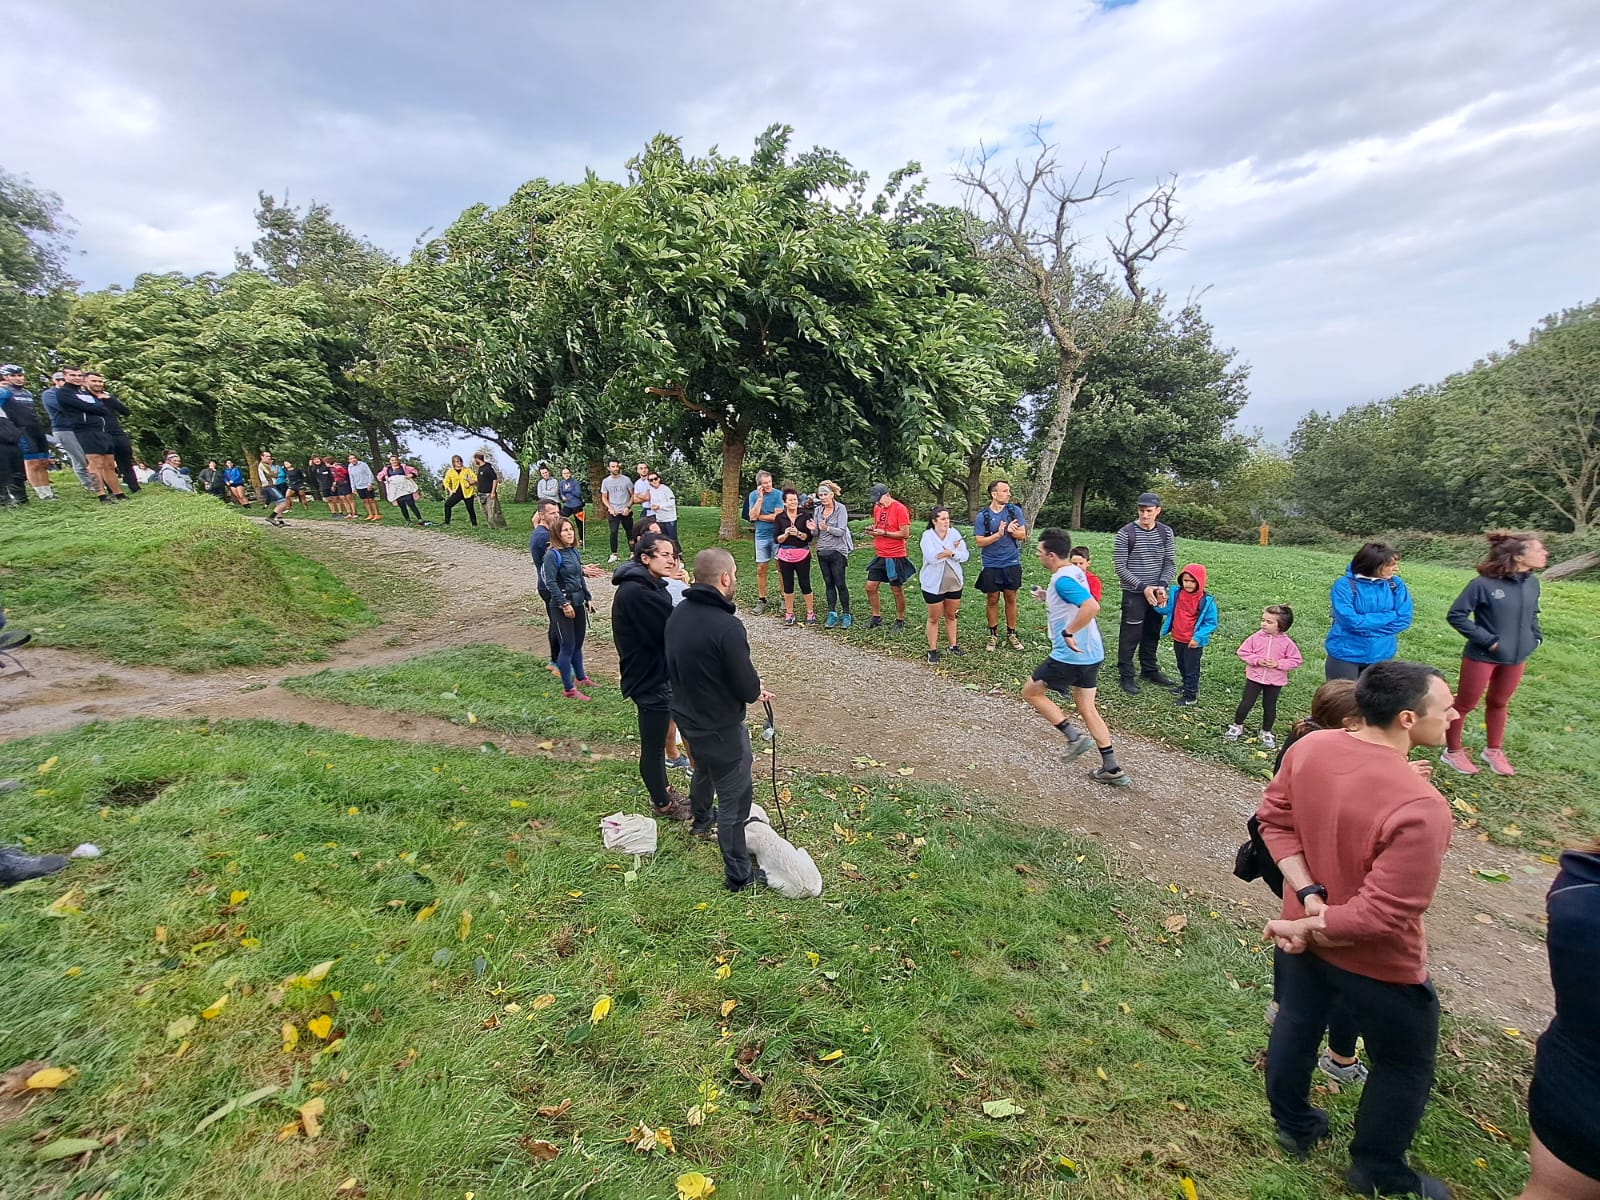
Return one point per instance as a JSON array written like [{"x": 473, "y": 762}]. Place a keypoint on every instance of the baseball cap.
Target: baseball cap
[
  {"x": 1147, "y": 499},
  {"x": 11, "y": 369},
  {"x": 879, "y": 491}
]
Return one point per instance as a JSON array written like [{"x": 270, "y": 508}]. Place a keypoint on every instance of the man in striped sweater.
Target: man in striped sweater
[{"x": 1145, "y": 559}]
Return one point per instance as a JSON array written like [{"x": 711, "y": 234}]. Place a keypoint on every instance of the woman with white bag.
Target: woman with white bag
[{"x": 943, "y": 552}]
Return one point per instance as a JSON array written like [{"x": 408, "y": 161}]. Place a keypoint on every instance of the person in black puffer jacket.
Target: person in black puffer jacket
[
  {"x": 713, "y": 681},
  {"x": 1498, "y": 614},
  {"x": 639, "y": 612}
]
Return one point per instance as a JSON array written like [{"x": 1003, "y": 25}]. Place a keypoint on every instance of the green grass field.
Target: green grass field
[
  {"x": 169, "y": 580},
  {"x": 1554, "y": 734},
  {"x": 417, "y": 938}
]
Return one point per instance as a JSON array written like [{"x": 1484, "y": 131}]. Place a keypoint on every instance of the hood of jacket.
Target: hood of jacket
[
  {"x": 634, "y": 571},
  {"x": 704, "y": 593},
  {"x": 1195, "y": 569}
]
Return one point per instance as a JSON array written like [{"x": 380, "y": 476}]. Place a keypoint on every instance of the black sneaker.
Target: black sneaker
[
  {"x": 933, "y": 656},
  {"x": 1117, "y": 779},
  {"x": 757, "y": 879},
  {"x": 1187, "y": 702},
  {"x": 899, "y": 625},
  {"x": 105, "y": 498},
  {"x": 706, "y": 833},
  {"x": 1129, "y": 685},
  {"x": 875, "y": 623},
  {"x": 956, "y": 650},
  {"x": 1299, "y": 1146},
  {"x": 1426, "y": 1186},
  {"x": 1159, "y": 679},
  {"x": 122, "y": 496}
]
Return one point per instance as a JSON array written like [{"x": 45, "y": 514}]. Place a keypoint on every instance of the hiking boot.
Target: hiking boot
[
  {"x": 1013, "y": 640},
  {"x": 1268, "y": 742},
  {"x": 15, "y": 866},
  {"x": 833, "y": 619},
  {"x": 1426, "y": 1186},
  {"x": 1077, "y": 747},
  {"x": 1458, "y": 760},
  {"x": 1497, "y": 762},
  {"x": 844, "y": 621},
  {"x": 1117, "y": 779},
  {"x": 1160, "y": 680},
  {"x": 875, "y": 623},
  {"x": 899, "y": 625},
  {"x": 933, "y": 656},
  {"x": 1129, "y": 684},
  {"x": 675, "y": 809},
  {"x": 1233, "y": 733},
  {"x": 761, "y": 606},
  {"x": 956, "y": 650},
  {"x": 992, "y": 644},
  {"x": 1299, "y": 1146},
  {"x": 1346, "y": 1073}
]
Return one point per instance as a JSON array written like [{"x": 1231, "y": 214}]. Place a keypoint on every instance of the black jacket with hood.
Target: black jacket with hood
[
  {"x": 1503, "y": 613},
  {"x": 708, "y": 663},
  {"x": 639, "y": 612}
]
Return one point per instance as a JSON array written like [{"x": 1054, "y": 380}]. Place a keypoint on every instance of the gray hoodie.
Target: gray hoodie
[{"x": 833, "y": 533}]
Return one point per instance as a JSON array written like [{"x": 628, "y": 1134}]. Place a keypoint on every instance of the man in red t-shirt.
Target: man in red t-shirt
[
  {"x": 1360, "y": 838},
  {"x": 891, "y": 526}
]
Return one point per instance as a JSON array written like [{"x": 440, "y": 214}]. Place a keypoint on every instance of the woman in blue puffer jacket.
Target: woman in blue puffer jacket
[{"x": 1371, "y": 608}]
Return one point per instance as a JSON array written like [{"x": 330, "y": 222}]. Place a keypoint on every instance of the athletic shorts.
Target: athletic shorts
[
  {"x": 893, "y": 571},
  {"x": 29, "y": 454},
  {"x": 766, "y": 548},
  {"x": 341, "y": 489},
  {"x": 366, "y": 493},
  {"x": 1000, "y": 579},
  {"x": 271, "y": 495},
  {"x": 96, "y": 441},
  {"x": 931, "y": 599},
  {"x": 1062, "y": 677}
]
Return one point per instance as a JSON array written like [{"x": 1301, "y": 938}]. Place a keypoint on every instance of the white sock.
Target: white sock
[{"x": 43, "y": 491}]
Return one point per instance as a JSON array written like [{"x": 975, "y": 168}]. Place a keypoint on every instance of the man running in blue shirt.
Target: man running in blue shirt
[{"x": 1076, "y": 652}]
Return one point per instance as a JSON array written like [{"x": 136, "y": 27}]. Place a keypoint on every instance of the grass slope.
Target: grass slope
[
  {"x": 955, "y": 959},
  {"x": 168, "y": 579}
]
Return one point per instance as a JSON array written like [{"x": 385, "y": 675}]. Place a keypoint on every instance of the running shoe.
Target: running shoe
[
  {"x": 833, "y": 619},
  {"x": 681, "y": 763},
  {"x": 899, "y": 625},
  {"x": 788, "y": 619},
  {"x": 875, "y": 623},
  {"x": 1077, "y": 747},
  {"x": 1268, "y": 742},
  {"x": 956, "y": 650},
  {"x": 1498, "y": 763},
  {"x": 1346, "y": 1073},
  {"x": 1016, "y": 642},
  {"x": 1117, "y": 779},
  {"x": 1458, "y": 760},
  {"x": 811, "y": 618},
  {"x": 844, "y": 621},
  {"x": 1233, "y": 733},
  {"x": 933, "y": 656},
  {"x": 761, "y": 606},
  {"x": 992, "y": 644},
  {"x": 574, "y": 694}
]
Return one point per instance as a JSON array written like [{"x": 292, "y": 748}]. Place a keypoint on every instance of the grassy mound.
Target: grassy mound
[
  {"x": 169, "y": 579},
  {"x": 405, "y": 950}
]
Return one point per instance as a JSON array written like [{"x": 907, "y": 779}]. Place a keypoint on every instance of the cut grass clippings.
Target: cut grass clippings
[
  {"x": 391, "y": 959},
  {"x": 168, "y": 579}
]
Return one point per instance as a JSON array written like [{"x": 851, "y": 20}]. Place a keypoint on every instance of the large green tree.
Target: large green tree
[{"x": 35, "y": 284}]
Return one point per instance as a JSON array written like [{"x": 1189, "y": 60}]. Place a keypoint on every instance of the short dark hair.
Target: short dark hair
[
  {"x": 1057, "y": 542},
  {"x": 1387, "y": 689},
  {"x": 994, "y": 483},
  {"x": 544, "y": 504},
  {"x": 1373, "y": 557},
  {"x": 933, "y": 513},
  {"x": 1284, "y": 614},
  {"x": 646, "y": 544},
  {"x": 790, "y": 490},
  {"x": 1077, "y": 550}
]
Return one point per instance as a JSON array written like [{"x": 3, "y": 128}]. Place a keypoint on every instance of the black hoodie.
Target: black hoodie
[
  {"x": 708, "y": 663},
  {"x": 639, "y": 612}
]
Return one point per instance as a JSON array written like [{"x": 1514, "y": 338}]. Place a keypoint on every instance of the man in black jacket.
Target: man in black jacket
[
  {"x": 121, "y": 443},
  {"x": 17, "y": 401},
  {"x": 639, "y": 612},
  {"x": 713, "y": 680}
]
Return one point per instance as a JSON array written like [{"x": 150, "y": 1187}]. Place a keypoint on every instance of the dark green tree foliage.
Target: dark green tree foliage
[
  {"x": 1159, "y": 397},
  {"x": 35, "y": 286}
]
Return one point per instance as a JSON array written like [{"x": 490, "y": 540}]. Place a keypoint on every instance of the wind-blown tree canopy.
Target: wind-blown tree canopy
[
  {"x": 35, "y": 286},
  {"x": 765, "y": 295}
]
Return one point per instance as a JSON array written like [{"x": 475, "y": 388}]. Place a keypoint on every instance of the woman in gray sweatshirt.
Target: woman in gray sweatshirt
[
  {"x": 1498, "y": 614},
  {"x": 833, "y": 551}
]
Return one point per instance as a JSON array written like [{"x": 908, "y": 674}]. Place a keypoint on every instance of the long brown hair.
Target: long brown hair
[
  {"x": 1332, "y": 706},
  {"x": 1504, "y": 550}
]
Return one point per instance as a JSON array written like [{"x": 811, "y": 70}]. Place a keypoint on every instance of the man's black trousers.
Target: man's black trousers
[
  {"x": 1140, "y": 630},
  {"x": 722, "y": 763}
]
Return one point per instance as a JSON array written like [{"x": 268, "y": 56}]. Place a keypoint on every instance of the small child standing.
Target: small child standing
[
  {"x": 1191, "y": 618},
  {"x": 1269, "y": 655},
  {"x": 1080, "y": 559}
]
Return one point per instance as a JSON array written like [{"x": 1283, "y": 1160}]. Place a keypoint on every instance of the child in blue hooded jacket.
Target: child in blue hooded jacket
[{"x": 1190, "y": 616}]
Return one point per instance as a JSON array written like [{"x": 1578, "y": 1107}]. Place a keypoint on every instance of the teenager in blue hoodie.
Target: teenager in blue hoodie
[
  {"x": 1190, "y": 617},
  {"x": 1371, "y": 608}
]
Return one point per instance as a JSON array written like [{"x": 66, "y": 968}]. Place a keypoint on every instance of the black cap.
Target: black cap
[
  {"x": 1149, "y": 499},
  {"x": 879, "y": 491}
]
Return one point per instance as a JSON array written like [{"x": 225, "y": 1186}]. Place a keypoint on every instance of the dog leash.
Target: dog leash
[{"x": 769, "y": 733}]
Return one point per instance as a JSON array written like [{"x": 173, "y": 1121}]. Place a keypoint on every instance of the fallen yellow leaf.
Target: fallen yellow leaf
[
  {"x": 320, "y": 1025},
  {"x": 427, "y": 911},
  {"x": 728, "y": 1006},
  {"x": 320, "y": 971},
  {"x": 544, "y": 1001},
  {"x": 291, "y": 1036},
  {"x": 47, "y": 764},
  {"x": 161, "y": 935},
  {"x": 724, "y": 971},
  {"x": 311, "y": 1116},
  {"x": 692, "y": 1185},
  {"x": 831, "y": 1056},
  {"x": 1101, "y": 1072},
  {"x": 600, "y": 1010},
  {"x": 463, "y": 926},
  {"x": 1187, "y": 1185},
  {"x": 238, "y": 897},
  {"x": 813, "y": 957},
  {"x": 69, "y": 903},
  {"x": 49, "y": 1078},
  {"x": 217, "y": 1005}
]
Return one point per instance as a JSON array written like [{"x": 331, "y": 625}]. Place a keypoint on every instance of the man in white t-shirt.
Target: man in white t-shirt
[
  {"x": 663, "y": 505},
  {"x": 616, "y": 493}
]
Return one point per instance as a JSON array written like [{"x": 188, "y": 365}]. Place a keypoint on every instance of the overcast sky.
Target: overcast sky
[{"x": 1377, "y": 193}]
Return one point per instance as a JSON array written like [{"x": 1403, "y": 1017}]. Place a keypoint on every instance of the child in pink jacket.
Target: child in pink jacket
[{"x": 1269, "y": 655}]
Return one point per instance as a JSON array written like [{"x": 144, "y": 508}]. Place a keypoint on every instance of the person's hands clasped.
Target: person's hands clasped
[{"x": 568, "y": 610}]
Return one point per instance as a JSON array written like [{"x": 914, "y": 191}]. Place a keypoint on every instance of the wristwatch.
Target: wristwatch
[{"x": 1311, "y": 889}]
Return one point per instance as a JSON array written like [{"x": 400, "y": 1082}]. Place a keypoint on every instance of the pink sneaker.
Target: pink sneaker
[
  {"x": 587, "y": 682},
  {"x": 1457, "y": 760},
  {"x": 1496, "y": 758},
  {"x": 574, "y": 694}
]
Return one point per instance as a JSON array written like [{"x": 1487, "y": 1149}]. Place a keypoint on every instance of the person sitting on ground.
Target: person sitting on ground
[
  {"x": 943, "y": 552},
  {"x": 233, "y": 480},
  {"x": 211, "y": 480},
  {"x": 1360, "y": 840},
  {"x": 639, "y": 611},
  {"x": 173, "y": 475}
]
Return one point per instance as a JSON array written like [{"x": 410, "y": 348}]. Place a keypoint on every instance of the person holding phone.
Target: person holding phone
[{"x": 1144, "y": 555}]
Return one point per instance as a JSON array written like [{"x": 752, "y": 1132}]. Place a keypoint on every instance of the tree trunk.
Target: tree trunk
[
  {"x": 597, "y": 472},
  {"x": 394, "y": 441},
  {"x": 938, "y": 492},
  {"x": 1068, "y": 381},
  {"x": 974, "y": 486},
  {"x": 733, "y": 452},
  {"x": 1573, "y": 566},
  {"x": 252, "y": 476},
  {"x": 1079, "y": 491},
  {"x": 523, "y": 471},
  {"x": 374, "y": 446}
]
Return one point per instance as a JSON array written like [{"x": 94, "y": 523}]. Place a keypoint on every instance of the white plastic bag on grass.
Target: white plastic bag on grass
[{"x": 631, "y": 833}]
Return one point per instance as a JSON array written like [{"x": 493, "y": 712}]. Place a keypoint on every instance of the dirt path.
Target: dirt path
[{"x": 1180, "y": 822}]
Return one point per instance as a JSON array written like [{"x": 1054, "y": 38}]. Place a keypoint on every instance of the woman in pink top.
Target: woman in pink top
[{"x": 1269, "y": 655}]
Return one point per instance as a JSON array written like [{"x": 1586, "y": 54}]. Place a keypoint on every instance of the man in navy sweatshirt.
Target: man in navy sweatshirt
[{"x": 1145, "y": 558}]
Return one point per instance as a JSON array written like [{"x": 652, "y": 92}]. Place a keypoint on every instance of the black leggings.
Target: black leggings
[
  {"x": 789, "y": 571},
  {"x": 455, "y": 498},
  {"x": 1269, "y": 703},
  {"x": 122, "y": 454},
  {"x": 408, "y": 508},
  {"x": 833, "y": 581},
  {"x": 653, "y": 724}
]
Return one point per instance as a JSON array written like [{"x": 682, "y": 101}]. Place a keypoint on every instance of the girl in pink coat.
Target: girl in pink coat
[{"x": 1269, "y": 655}]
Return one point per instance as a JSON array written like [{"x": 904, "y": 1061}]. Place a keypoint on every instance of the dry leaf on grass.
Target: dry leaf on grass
[
  {"x": 692, "y": 1185},
  {"x": 541, "y": 1150},
  {"x": 601, "y": 1009},
  {"x": 48, "y": 1079},
  {"x": 555, "y": 1110},
  {"x": 311, "y": 1116}
]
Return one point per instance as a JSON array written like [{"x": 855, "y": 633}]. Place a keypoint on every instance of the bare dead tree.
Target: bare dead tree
[{"x": 1024, "y": 221}]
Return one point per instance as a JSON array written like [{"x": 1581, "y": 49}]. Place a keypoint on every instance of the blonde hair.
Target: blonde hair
[{"x": 830, "y": 485}]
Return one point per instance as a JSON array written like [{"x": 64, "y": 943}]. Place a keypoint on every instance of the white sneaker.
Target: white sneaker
[
  {"x": 1234, "y": 733},
  {"x": 611, "y": 560},
  {"x": 1268, "y": 742}
]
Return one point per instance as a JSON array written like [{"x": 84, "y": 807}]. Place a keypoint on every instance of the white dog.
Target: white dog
[{"x": 790, "y": 871}]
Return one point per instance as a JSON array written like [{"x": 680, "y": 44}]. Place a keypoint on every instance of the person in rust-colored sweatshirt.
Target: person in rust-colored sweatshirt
[{"x": 1360, "y": 838}]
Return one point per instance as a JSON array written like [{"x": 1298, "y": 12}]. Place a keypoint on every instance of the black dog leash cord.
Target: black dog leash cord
[{"x": 770, "y": 734}]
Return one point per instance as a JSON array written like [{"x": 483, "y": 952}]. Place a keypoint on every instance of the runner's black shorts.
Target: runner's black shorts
[
  {"x": 96, "y": 441},
  {"x": 1000, "y": 579},
  {"x": 893, "y": 571},
  {"x": 366, "y": 493},
  {"x": 341, "y": 489},
  {"x": 930, "y": 598},
  {"x": 1062, "y": 677}
]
